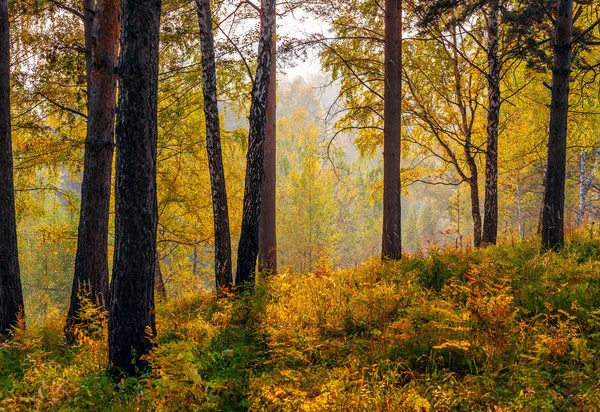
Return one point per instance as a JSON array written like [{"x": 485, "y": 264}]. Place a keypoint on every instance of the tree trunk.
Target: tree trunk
[
  {"x": 267, "y": 237},
  {"x": 391, "y": 247},
  {"x": 519, "y": 207},
  {"x": 131, "y": 317},
  {"x": 223, "y": 271},
  {"x": 475, "y": 210},
  {"x": 490, "y": 226},
  {"x": 585, "y": 183},
  {"x": 554, "y": 191},
  {"x": 11, "y": 293},
  {"x": 91, "y": 262},
  {"x": 248, "y": 246},
  {"x": 159, "y": 282}
]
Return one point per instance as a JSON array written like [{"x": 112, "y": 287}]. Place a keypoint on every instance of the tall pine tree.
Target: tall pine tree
[
  {"x": 11, "y": 294},
  {"x": 131, "y": 321}
]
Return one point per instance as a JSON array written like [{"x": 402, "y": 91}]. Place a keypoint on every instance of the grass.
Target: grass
[{"x": 501, "y": 329}]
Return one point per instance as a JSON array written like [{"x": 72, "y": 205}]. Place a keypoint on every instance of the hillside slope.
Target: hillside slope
[{"x": 500, "y": 329}]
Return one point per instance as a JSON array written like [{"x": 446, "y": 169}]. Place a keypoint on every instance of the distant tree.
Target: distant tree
[
  {"x": 498, "y": 52},
  {"x": 248, "y": 245},
  {"x": 101, "y": 31},
  {"x": 307, "y": 209},
  {"x": 223, "y": 271},
  {"x": 588, "y": 166},
  {"x": 392, "y": 239},
  {"x": 444, "y": 105},
  {"x": 159, "y": 282},
  {"x": 131, "y": 321},
  {"x": 11, "y": 294}
]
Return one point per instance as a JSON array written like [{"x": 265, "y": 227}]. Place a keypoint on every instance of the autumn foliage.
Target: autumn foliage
[{"x": 507, "y": 328}]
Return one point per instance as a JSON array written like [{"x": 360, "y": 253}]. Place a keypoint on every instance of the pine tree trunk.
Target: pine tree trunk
[
  {"x": 392, "y": 239},
  {"x": 223, "y": 271},
  {"x": 554, "y": 191},
  {"x": 490, "y": 226},
  {"x": 131, "y": 316},
  {"x": 91, "y": 262},
  {"x": 248, "y": 246},
  {"x": 11, "y": 293},
  {"x": 267, "y": 238}
]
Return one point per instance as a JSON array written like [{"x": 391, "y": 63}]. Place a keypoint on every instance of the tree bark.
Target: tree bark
[
  {"x": 11, "y": 293},
  {"x": 101, "y": 27},
  {"x": 223, "y": 271},
  {"x": 392, "y": 240},
  {"x": 490, "y": 225},
  {"x": 131, "y": 318},
  {"x": 267, "y": 237},
  {"x": 554, "y": 191},
  {"x": 248, "y": 246}
]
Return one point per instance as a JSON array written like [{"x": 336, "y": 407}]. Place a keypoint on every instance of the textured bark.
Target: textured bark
[
  {"x": 248, "y": 246},
  {"x": 131, "y": 316},
  {"x": 392, "y": 241},
  {"x": 490, "y": 225},
  {"x": 159, "y": 283},
  {"x": 223, "y": 271},
  {"x": 267, "y": 237},
  {"x": 91, "y": 262},
  {"x": 554, "y": 190},
  {"x": 11, "y": 294}
]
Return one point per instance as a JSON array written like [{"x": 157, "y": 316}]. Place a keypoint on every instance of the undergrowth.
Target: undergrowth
[{"x": 502, "y": 329}]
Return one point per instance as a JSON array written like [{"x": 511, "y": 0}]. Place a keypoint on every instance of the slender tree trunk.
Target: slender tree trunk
[
  {"x": 490, "y": 226},
  {"x": 585, "y": 183},
  {"x": 519, "y": 208},
  {"x": 223, "y": 271},
  {"x": 554, "y": 191},
  {"x": 248, "y": 246},
  {"x": 11, "y": 293},
  {"x": 267, "y": 237},
  {"x": 195, "y": 260},
  {"x": 101, "y": 26},
  {"x": 392, "y": 240},
  {"x": 475, "y": 210},
  {"x": 131, "y": 317},
  {"x": 159, "y": 282}
]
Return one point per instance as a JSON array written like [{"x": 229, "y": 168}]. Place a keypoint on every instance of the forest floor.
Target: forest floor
[{"x": 501, "y": 329}]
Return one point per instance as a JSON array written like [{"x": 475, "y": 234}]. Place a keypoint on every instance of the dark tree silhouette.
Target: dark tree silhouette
[
  {"x": 490, "y": 208},
  {"x": 131, "y": 320},
  {"x": 11, "y": 294},
  {"x": 101, "y": 29},
  {"x": 392, "y": 242},
  {"x": 554, "y": 190}
]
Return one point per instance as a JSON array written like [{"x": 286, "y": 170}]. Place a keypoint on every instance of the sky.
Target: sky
[{"x": 300, "y": 25}]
